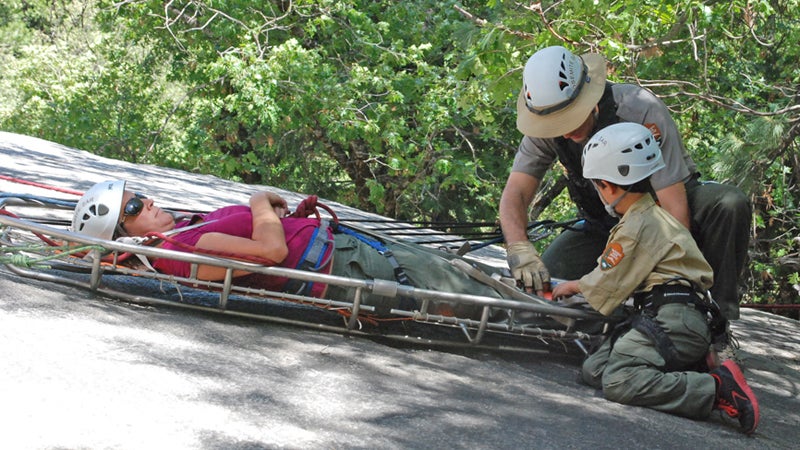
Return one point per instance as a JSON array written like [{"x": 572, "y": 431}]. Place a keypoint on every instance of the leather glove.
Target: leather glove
[{"x": 526, "y": 266}]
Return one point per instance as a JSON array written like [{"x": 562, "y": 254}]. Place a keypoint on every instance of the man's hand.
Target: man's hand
[{"x": 527, "y": 267}]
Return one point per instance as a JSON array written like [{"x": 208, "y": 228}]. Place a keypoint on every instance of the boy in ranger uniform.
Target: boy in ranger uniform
[{"x": 653, "y": 257}]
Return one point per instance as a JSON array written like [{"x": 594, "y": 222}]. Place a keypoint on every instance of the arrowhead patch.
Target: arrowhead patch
[
  {"x": 612, "y": 256},
  {"x": 655, "y": 130}
]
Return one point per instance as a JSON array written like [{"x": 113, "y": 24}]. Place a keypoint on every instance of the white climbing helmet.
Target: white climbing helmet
[
  {"x": 559, "y": 91},
  {"x": 623, "y": 153},
  {"x": 97, "y": 213}
]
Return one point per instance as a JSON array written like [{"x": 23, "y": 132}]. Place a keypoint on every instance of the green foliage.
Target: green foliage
[{"x": 402, "y": 108}]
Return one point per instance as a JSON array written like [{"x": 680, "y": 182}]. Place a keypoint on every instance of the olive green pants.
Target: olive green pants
[
  {"x": 629, "y": 371},
  {"x": 425, "y": 267}
]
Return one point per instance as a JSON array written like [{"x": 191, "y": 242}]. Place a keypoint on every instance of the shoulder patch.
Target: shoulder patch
[
  {"x": 655, "y": 130},
  {"x": 612, "y": 256}
]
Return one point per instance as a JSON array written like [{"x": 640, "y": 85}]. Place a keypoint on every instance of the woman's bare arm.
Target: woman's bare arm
[{"x": 267, "y": 241}]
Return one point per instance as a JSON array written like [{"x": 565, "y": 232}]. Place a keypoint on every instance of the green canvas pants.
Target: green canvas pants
[
  {"x": 426, "y": 268},
  {"x": 630, "y": 370}
]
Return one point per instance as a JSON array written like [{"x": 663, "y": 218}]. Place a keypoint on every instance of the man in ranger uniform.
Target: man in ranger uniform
[
  {"x": 564, "y": 101},
  {"x": 655, "y": 359}
]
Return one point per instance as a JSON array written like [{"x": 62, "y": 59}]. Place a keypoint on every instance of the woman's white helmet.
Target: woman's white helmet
[
  {"x": 623, "y": 153},
  {"x": 97, "y": 213}
]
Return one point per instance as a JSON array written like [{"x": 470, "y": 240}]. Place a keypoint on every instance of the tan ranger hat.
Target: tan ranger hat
[{"x": 559, "y": 91}]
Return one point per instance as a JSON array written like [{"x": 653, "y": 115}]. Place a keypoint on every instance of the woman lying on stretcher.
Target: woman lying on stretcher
[{"x": 266, "y": 231}]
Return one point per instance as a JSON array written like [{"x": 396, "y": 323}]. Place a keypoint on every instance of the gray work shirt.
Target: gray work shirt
[{"x": 634, "y": 104}]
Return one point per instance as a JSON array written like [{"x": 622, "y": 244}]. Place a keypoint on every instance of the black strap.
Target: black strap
[
  {"x": 663, "y": 344},
  {"x": 570, "y": 154},
  {"x": 666, "y": 294},
  {"x": 406, "y": 303},
  {"x": 650, "y": 302}
]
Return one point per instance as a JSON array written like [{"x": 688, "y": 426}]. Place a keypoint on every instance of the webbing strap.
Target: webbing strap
[
  {"x": 666, "y": 294},
  {"x": 189, "y": 227},
  {"x": 315, "y": 250},
  {"x": 399, "y": 274},
  {"x": 312, "y": 260},
  {"x": 382, "y": 249},
  {"x": 663, "y": 344}
]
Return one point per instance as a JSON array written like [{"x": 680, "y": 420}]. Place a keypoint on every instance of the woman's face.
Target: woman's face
[{"x": 151, "y": 218}]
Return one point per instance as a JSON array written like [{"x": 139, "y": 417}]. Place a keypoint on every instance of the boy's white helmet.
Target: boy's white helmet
[
  {"x": 623, "y": 153},
  {"x": 97, "y": 213}
]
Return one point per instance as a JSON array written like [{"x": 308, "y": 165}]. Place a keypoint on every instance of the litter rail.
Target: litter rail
[{"x": 528, "y": 323}]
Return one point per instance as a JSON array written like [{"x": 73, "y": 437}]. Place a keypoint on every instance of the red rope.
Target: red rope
[
  {"x": 310, "y": 206},
  {"x": 45, "y": 239},
  {"x": 40, "y": 185},
  {"x": 772, "y": 306}
]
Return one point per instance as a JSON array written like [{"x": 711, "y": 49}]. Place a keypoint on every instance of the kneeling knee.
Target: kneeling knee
[{"x": 616, "y": 389}]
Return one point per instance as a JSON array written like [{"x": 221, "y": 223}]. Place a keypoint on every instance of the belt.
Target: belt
[
  {"x": 649, "y": 303},
  {"x": 666, "y": 294}
]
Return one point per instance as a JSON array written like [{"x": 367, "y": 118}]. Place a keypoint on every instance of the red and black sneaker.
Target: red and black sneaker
[{"x": 735, "y": 397}]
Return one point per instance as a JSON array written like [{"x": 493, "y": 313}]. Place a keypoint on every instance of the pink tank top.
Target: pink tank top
[{"x": 238, "y": 221}]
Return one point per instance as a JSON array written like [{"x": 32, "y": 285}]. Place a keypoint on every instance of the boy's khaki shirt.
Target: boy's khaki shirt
[{"x": 648, "y": 247}]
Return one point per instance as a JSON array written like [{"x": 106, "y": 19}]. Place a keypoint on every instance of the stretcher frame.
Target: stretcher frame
[{"x": 101, "y": 260}]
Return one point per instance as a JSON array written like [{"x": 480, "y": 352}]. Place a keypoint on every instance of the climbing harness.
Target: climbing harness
[
  {"x": 648, "y": 304},
  {"x": 317, "y": 255}
]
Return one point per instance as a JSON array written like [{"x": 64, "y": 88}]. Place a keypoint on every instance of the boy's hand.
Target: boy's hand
[{"x": 566, "y": 289}]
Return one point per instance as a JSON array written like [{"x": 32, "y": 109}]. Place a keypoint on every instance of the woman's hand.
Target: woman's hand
[
  {"x": 268, "y": 208},
  {"x": 278, "y": 203},
  {"x": 270, "y": 198}
]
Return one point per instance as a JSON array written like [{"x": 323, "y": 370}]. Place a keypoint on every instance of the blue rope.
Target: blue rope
[{"x": 377, "y": 245}]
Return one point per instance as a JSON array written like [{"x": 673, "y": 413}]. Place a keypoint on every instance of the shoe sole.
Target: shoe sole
[{"x": 738, "y": 376}]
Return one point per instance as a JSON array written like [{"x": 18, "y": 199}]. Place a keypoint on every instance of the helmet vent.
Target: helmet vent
[
  {"x": 628, "y": 153},
  {"x": 102, "y": 210},
  {"x": 563, "y": 82}
]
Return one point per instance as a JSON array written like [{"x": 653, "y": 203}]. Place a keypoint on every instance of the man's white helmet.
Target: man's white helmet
[
  {"x": 623, "y": 153},
  {"x": 559, "y": 91},
  {"x": 97, "y": 213}
]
